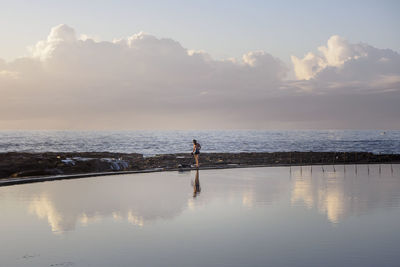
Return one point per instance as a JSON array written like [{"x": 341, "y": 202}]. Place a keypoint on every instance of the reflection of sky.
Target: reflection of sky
[
  {"x": 242, "y": 209},
  {"x": 142, "y": 199},
  {"x": 338, "y": 194},
  {"x": 139, "y": 200}
]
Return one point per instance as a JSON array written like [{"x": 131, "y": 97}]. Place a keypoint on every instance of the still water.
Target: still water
[{"x": 279, "y": 216}]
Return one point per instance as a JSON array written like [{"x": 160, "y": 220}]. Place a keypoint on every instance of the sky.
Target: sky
[{"x": 199, "y": 65}]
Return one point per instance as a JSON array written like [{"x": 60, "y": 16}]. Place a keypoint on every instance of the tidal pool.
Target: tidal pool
[{"x": 278, "y": 216}]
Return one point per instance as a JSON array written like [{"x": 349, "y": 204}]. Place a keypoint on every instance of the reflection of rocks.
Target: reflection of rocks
[
  {"x": 15, "y": 164},
  {"x": 338, "y": 194}
]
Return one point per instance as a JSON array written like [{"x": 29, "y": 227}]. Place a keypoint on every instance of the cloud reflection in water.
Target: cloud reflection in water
[{"x": 142, "y": 199}]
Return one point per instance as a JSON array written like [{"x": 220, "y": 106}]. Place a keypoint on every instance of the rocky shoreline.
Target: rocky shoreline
[{"x": 20, "y": 164}]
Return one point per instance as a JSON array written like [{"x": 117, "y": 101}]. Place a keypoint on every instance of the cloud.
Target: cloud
[
  {"x": 59, "y": 36},
  {"x": 70, "y": 82},
  {"x": 335, "y": 54},
  {"x": 341, "y": 65}
]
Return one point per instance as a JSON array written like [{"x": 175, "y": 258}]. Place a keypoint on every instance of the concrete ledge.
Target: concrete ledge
[{"x": 25, "y": 180}]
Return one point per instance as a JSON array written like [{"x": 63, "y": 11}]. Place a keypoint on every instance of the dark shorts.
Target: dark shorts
[{"x": 197, "y": 153}]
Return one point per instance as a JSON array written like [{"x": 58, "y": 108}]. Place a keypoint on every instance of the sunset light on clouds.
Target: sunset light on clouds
[{"x": 70, "y": 80}]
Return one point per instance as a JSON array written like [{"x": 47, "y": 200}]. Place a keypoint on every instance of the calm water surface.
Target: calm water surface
[{"x": 239, "y": 217}]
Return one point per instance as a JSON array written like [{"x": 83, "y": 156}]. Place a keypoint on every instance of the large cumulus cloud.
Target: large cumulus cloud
[
  {"x": 143, "y": 81},
  {"x": 341, "y": 65}
]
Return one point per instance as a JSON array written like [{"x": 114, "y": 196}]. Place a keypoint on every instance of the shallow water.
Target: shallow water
[
  {"x": 281, "y": 216},
  {"x": 164, "y": 142}
]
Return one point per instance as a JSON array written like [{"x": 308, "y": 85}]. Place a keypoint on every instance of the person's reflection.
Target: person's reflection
[{"x": 196, "y": 185}]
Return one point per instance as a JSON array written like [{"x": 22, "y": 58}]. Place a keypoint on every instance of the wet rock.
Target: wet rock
[
  {"x": 19, "y": 164},
  {"x": 37, "y": 173}
]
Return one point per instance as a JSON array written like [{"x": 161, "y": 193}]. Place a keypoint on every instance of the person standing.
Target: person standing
[{"x": 196, "y": 151}]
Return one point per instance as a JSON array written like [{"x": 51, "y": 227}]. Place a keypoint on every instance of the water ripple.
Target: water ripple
[{"x": 160, "y": 142}]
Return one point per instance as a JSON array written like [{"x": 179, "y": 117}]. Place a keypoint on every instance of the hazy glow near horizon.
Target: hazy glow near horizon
[{"x": 79, "y": 80}]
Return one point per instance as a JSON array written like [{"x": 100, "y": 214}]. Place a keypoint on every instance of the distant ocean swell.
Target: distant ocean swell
[{"x": 164, "y": 142}]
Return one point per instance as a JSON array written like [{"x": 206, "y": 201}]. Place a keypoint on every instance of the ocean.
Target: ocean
[{"x": 164, "y": 142}]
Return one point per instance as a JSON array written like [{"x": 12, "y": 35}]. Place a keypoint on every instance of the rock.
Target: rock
[{"x": 19, "y": 164}]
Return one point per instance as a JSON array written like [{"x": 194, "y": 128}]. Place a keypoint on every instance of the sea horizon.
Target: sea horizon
[{"x": 151, "y": 142}]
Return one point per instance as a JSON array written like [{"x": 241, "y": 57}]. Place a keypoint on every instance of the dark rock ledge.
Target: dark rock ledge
[{"x": 18, "y": 164}]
